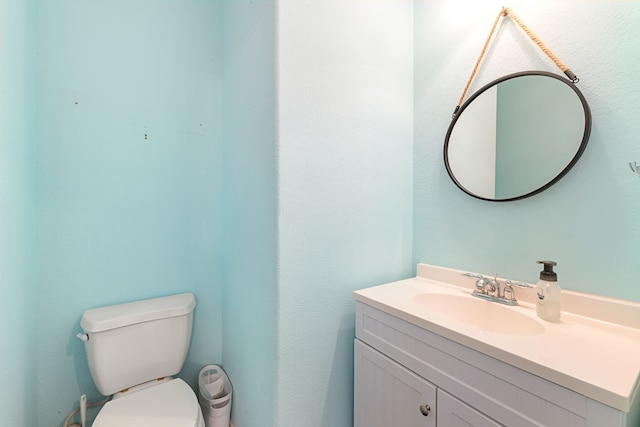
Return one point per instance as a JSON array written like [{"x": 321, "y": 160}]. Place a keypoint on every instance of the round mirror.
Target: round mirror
[{"x": 517, "y": 136}]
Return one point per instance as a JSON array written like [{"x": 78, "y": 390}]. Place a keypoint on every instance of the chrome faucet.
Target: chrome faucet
[
  {"x": 481, "y": 283},
  {"x": 486, "y": 287}
]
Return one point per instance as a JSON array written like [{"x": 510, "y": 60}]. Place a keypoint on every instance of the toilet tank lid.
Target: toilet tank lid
[{"x": 115, "y": 316}]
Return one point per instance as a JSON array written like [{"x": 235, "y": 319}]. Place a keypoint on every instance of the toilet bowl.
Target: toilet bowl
[
  {"x": 133, "y": 351},
  {"x": 169, "y": 404}
]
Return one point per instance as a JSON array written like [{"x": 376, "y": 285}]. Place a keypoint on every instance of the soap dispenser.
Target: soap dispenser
[{"x": 548, "y": 292}]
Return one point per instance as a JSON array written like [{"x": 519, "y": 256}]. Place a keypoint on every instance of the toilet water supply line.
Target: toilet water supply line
[{"x": 83, "y": 411}]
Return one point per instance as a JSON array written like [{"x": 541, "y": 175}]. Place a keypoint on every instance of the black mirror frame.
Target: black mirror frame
[{"x": 574, "y": 160}]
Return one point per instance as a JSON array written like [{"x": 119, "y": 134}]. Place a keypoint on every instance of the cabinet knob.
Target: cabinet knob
[{"x": 425, "y": 409}]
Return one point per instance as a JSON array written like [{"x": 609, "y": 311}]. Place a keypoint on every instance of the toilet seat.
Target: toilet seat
[{"x": 169, "y": 404}]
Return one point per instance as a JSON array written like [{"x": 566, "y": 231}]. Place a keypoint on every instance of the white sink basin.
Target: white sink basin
[{"x": 477, "y": 313}]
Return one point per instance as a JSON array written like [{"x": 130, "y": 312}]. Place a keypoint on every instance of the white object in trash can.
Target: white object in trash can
[
  {"x": 215, "y": 396},
  {"x": 214, "y": 390}
]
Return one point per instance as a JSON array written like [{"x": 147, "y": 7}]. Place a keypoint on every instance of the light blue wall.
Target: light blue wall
[
  {"x": 589, "y": 222},
  {"x": 345, "y": 92},
  {"x": 311, "y": 194},
  {"x": 17, "y": 174},
  {"x": 250, "y": 231},
  {"x": 129, "y": 176},
  {"x": 317, "y": 195}
]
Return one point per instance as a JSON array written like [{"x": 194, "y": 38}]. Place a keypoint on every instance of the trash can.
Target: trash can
[{"x": 215, "y": 396}]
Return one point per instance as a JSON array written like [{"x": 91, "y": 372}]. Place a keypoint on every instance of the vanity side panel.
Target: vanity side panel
[
  {"x": 600, "y": 415},
  {"x": 505, "y": 393},
  {"x": 633, "y": 417}
]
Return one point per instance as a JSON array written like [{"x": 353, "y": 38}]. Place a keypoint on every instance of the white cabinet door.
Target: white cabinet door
[
  {"x": 454, "y": 413},
  {"x": 388, "y": 395}
]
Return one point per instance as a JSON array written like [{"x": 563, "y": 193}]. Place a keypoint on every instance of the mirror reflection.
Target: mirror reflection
[{"x": 517, "y": 136}]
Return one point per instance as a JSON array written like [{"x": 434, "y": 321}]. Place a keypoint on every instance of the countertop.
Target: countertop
[{"x": 593, "y": 356}]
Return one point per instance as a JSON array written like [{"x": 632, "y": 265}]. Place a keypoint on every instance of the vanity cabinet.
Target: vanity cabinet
[
  {"x": 400, "y": 368},
  {"x": 387, "y": 394}
]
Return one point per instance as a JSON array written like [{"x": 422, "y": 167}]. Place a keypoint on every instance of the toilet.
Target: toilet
[{"x": 133, "y": 351}]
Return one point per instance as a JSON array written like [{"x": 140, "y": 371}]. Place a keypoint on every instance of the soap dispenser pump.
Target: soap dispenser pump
[{"x": 548, "y": 292}]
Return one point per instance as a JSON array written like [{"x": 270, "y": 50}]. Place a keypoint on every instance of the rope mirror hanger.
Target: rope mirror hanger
[{"x": 504, "y": 13}]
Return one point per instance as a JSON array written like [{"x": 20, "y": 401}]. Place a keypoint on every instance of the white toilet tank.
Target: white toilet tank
[{"x": 129, "y": 344}]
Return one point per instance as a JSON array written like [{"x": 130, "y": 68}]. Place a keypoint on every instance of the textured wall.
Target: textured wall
[
  {"x": 345, "y": 75},
  {"x": 17, "y": 174},
  {"x": 322, "y": 150},
  {"x": 249, "y": 294},
  {"x": 129, "y": 176},
  {"x": 589, "y": 222}
]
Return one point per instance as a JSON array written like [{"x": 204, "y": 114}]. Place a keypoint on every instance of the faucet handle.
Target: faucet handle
[
  {"x": 481, "y": 283},
  {"x": 508, "y": 289},
  {"x": 519, "y": 284},
  {"x": 507, "y": 292}
]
